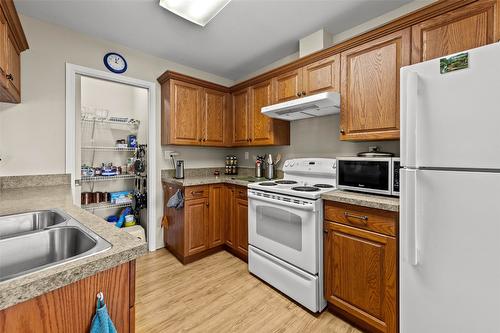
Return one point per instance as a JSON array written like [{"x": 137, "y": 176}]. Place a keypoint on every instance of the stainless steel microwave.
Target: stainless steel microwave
[{"x": 379, "y": 175}]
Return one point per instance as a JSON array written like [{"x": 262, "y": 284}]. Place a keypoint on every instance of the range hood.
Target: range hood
[{"x": 317, "y": 105}]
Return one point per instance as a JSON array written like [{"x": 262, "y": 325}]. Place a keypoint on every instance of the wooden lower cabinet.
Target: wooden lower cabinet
[
  {"x": 361, "y": 277},
  {"x": 217, "y": 215},
  {"x": 214, "y": 217},
  {"x": 71, "y": 308},
  {"x": 196, "y": 232}
]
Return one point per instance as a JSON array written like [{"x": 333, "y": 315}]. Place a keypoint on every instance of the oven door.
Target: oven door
[{"x": 285, "y": 227}]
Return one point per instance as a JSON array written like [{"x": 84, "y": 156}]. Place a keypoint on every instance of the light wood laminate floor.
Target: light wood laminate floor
[{"x": 217, "y": 294}]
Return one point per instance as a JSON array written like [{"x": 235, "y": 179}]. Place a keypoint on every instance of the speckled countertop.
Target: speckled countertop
[
  {"x": 206, "y": 180},
  {"x": 124, "y": 246},
  {"x": 363, "y": 199}
]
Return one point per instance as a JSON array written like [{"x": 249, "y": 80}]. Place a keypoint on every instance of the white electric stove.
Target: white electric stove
[{"x": 285, "y": 229}]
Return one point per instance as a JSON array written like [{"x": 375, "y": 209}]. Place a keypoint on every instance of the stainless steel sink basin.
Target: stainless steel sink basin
[
  {"x": 53, "y": 238},
  {"x": 15, "y": 224}
]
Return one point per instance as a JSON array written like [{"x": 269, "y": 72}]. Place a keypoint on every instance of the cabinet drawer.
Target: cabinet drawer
[
  {"x": 240, "y": 192},
  {"x": 196, "y": 192},
  {"x": 376, "y": 220}
]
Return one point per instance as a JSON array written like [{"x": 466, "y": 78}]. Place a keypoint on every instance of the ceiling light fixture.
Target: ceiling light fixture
[{"x": 196, "y": 11}]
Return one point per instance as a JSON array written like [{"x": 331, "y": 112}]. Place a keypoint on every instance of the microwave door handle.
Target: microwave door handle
[
  {"x": 281, "y": 203},
  {"x": 411, "y": 131}
]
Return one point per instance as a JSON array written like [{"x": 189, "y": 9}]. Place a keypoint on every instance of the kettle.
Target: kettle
[{"x": 179, "y": 169}]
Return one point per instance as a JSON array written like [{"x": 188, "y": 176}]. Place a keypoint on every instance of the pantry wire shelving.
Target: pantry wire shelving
[
  {"x": 97, "y": 148},
  {"x": 89, "y": 179},
  {"x": 106, "y": 205}
]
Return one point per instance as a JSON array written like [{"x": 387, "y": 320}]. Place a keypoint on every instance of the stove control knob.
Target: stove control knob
[
  {"x": 287, "y": 163},
  {"x": 292, "y": 163}
]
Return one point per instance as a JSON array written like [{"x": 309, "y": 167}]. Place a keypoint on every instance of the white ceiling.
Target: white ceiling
[{"x": 244, "y": 37}]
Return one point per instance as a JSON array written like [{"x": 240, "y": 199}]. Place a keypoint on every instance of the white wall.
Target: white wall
[
  {"x": 344, "y": 35},
  {"x": 32, "y": 139},
  {"x": 315, "y": 137},
  {"x": 32, "y": 134}
]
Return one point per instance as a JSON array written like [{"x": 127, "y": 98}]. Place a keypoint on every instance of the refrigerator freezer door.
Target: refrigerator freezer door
[
  {"x": 454, "y": 286},
  {"x": 451, "y": 120}
]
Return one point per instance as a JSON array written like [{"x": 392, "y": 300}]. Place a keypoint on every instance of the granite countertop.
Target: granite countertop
[
  {"x": 124, "y": 246},
  {"x": 363, "y": 199},
  {"x": 206, "y": 180}
]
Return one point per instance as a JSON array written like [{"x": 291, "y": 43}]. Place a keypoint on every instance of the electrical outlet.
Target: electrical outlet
[{"x": 247, "y": 155}]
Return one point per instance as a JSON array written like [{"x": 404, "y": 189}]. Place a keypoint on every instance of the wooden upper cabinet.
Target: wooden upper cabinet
[
  {"x": 185, "y": 113},
  {"x": 261, "y": 125},
  {"x": 370, "y": 88},
  {"x": 196, "y": 229},
  {"x": 360, "y": 275},
  {"x": 194, "y": 112},
  {"x": 323, "y": 75},
  {"x": 12, "y": 43},
  {"x": 241, "y": 130},
  {"x": 467, "y": 27},
  {"x": 287, "y": 86},
  {"x": 13, "y": 69},
  {"x": 4, "y": 28},
  {"x": 320, "y": 76},
  {"x": 213, "y": 122}
]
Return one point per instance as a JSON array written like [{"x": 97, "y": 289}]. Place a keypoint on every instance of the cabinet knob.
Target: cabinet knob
[
  {"x": 204, "y": 139},
  {"x": 342, "y": 131},
  {"x": 207, "y": 204},
  {"x": 298, "y": 94},
  {"x": 303, "y": 93},
  {"x": 199, "y": 139},
  {"x": 10, "y": 77}
]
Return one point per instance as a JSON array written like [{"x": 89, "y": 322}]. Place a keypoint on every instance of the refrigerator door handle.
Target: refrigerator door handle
[
  {"x": 410, "y": 206},
  {"x": 411, "y": 119}
]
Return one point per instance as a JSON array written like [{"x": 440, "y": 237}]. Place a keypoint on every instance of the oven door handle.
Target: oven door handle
[{"x": 309, "y": 207}]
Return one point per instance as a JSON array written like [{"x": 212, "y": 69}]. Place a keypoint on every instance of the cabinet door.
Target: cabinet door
[
  {"x": 370, "y": 88},
  {"x": 217, "y": 215},
  {"x": 323, "y": 75},
  {"x": 3, "y": 50},
  {"x": 185, "y": 113},
  {"x": 361, "y": 275},
  {"x": 261, "y": 127},
  {"x": 287, "y": 86},
  {"x": 229, "y": 226},
  {"x": 465, "y": 28},
  {"x": 241, "y": 134},
  {"x": 196, "y": 226},
  {"x": 13, "y": 73},
  {"x": 241, "y": 220},
  {"x": 213, "y": 117}
]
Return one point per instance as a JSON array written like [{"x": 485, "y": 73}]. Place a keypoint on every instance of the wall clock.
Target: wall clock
[{"x": 115, "y": 62}]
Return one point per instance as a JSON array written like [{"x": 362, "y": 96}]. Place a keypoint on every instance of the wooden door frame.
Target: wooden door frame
[{"x": 71, "y": 73}]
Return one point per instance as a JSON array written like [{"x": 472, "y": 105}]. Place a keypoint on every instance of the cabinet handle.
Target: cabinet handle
[
  {"x": 250, "y": 140},
  {"x": 363, "y": 218},
  {"x": 303, "y": 93},
  {"x": 298, "y": 94},
  {"x": 342, "y": 131},
  {"x": 10, "y": 77},
  {"x": 196, "y": 192},
  {"x": 204, "y": 139}
]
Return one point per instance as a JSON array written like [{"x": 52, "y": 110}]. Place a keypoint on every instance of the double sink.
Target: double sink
[{"x": 37, "y": 240}]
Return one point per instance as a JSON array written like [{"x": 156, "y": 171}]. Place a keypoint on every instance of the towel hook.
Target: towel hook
[{"x": 100, "y": 296}]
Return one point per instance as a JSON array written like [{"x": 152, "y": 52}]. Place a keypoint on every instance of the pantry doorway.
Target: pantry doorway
[{"x": 111, "y": 148}]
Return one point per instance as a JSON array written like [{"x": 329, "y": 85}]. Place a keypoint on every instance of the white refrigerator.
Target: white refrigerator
[{"x": 450, "y": 194}]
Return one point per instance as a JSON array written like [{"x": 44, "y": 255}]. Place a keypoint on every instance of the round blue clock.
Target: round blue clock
[{"x": 115, "y": 62}]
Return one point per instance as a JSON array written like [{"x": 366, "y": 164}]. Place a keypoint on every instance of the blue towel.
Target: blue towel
[{"x": 101, "y": 323}]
